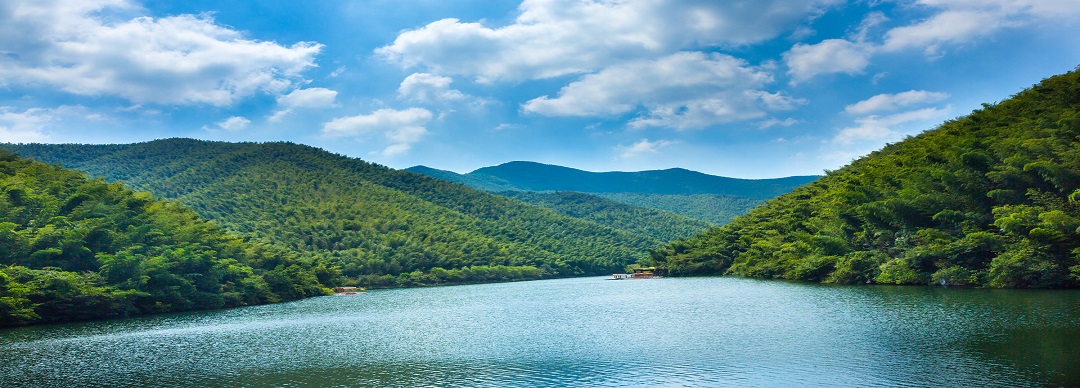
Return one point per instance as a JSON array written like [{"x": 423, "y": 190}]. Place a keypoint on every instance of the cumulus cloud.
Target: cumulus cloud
[
  {"x": 830, "y": 56},
  {"x": 643, "y": 146},
  {"x": 310, "y": 98},
  {"x": 186, "y": 59},
  {"x": 427, "y": 87},
  {"x": 235, "y": 123},
  {"x": 891, "y": 102},
  {"x": 685, "y": 90},
  {"x": 24, "y": 127},
  {"x": 551, "y": 38},
  {"x": 886, "y": 128},
  {"x": 400, "y": 129}
]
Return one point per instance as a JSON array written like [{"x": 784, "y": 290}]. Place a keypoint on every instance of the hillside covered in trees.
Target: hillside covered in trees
[
  {"x": 73, "y": 248},
  {"x": 376, "y": 225},
  {"x": 709, "y": 198},
  {"x": 990, "y": 199},
  {"x": 658, "y": 224}
]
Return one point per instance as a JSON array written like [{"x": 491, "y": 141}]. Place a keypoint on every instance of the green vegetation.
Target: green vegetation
[
  {"x": 991, "y": 199},
  {"x": 374, "y": 225},
  {"x": 718, "y": 209},
  {"x": 660, "y": 225},
  {"x": 72, "y": 248},
  {"x": 692, "y": 194}
]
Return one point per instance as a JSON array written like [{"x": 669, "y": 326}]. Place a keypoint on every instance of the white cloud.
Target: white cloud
[
  {"x": 24, "y": 127},
  {"x": 945, "y": 27},
  {"x": 426, "y": 87},
  {"x": 683, "y": 91},
  {"x": 551, "y": 38},
  {"x": 886, "y": 128},
  {"x": 961, "y": 21},
  {"x": 869, "y": 22},
  {"x": 507, "y": 126},
  {"x": 310, "y": 98},
  {"x": 643, "y": 146},
  {"x": 951, "y": 23},
  {"x": 399, "y": 128},
  {"x": 772, "y": 122},
  {"x": 890, "y": 102},
  {"x": 235, "y": 123},
  {"x": 81, "y": 48},
  {"x": 830, "y": 56}
]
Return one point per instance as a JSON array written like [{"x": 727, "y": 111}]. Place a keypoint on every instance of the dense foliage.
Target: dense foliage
[
  {"x": 692, "y": 194},
  {"x": 72, "y": 248},
  {"x": 379, "y": 226},
  {"x": 718, "y": 209},
  {"x": 661, "y": 225},
  {"x": 991, "y": 199}
]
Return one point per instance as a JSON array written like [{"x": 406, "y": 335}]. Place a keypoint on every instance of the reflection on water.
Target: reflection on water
[{"x": 578, "y": 332}]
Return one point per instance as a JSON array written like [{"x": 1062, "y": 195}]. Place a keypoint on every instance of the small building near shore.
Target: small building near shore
[{"x": 640, "y": 273}]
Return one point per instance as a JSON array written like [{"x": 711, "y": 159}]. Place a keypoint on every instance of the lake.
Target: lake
[{"x": 710, "y": 331}]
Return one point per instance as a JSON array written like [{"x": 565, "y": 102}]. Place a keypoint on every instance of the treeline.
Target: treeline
[
  {"x": 366, "y": 220},
  {"x": 73, "y": 248},
  {"x": 718, "y": 209},
  {"x": 658, "y": 224},
  {"x": 990, "y": 199},
  {"x": 439, "y": 276}
]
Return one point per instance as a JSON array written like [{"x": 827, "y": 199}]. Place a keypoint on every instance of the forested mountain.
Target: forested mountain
[
  {"x": 661, "y": 225},
  {"x": 704, "y": 197},
  {"x": 480, "y": 182},
  {"x": 379, "y": 226},
  {"x": 532, "y": 176},
  {"x": 990, "y": 199},
  {"x": 617, "y": 213},
  {"x": 73, "y": 248},
  {"x": 717, "y": 209}
]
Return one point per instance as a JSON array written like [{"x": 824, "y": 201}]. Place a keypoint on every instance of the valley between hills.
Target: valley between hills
[{"x": 991, "y": 199}]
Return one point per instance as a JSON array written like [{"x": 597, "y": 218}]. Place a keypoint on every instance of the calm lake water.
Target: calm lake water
[{"x": 716, "y": 331}]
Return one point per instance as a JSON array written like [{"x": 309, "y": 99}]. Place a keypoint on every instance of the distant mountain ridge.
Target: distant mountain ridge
[
  {"x": 700, "y": 196},
  {"x": 532, "y": 176}
]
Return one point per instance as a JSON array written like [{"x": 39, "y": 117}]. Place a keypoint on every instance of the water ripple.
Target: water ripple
[{"x": 577, "y": 332}]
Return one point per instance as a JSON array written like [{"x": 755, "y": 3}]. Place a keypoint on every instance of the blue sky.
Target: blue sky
[{"x": 750, "y": 89}]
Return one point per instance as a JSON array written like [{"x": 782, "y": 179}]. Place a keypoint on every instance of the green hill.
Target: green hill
[
  {"x": 640, "y": 218},
  {"x": 661, "y": 225},
  {"x": 990, "y": 199},
  {"x": 379, "y": 226},
  {"x": 704, "y": 197},
  {"x": 717, "y": 209},
  {"x": 73, "y": 248}
]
